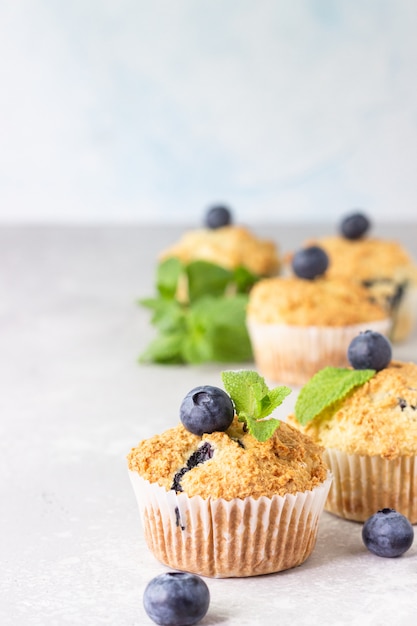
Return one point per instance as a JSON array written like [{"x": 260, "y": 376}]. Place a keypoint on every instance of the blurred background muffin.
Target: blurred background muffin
[
  {"x": 227, "y": 245},
  {"x": 303, "y": 322},
  {"x": 383, "y": 266},
  {"x": 202, "y": 286}
]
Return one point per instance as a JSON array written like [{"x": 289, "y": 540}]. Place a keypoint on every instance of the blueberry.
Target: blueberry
[
  {"x": 369, "y": 350},
  {"x": 354, "y": 226},
  {"x": 176, "y": 481},
  {"x": 310, "y": 262},
  {"x": 387, "y": 533},
  {"x": 176, "y": 599},
  {"x": 206, "y": 409},
  {"x": 201, "y": 455},
  {"x": 218, "y": 216},
  {"x": 402, "y": 403}
]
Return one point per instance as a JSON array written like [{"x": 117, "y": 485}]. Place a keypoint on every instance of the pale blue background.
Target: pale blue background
[{"x": 152, "y": 110}]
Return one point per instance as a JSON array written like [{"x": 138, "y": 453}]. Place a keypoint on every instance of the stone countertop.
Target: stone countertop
[{"x": 74, "y": 400}]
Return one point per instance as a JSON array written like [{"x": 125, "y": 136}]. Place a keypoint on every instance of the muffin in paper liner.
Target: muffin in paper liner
[
  {"x": 220, "y": 538},
  {"x": 385, "y": 268},
  {"x": 293, "y": 354},
  {"x": 403, "y": 315},
  {"x": 363, "y": 485}
]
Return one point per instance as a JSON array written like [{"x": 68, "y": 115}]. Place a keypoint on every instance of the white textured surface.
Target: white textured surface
[{"x": 74, "y": 400}]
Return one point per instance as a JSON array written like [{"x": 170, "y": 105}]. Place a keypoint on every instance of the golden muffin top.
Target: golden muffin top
[
  {"x": 231, "y": 464},
  {"x": 368, "y": 258},
  {"x": 230, "y": 246},
  {"x": 320, "y": 302},
  {"x": 376, "y": 418}
]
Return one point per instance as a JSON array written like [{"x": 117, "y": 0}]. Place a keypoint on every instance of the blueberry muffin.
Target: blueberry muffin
[
  {"x": 202, "y": 286},
  {"x": 383, "y": 266},
  {"x": 231, "y": 247},
  {"x": 365, "y": 417},
  {"x": 230, "y": 499},
  {"x": 300, "y": 323}
]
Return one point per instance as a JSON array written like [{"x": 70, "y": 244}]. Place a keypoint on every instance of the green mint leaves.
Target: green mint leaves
[
  {"x": 209, "y": 324},
  {"x": 254, "y": 401},
  {"x": 325, "y": 388}
]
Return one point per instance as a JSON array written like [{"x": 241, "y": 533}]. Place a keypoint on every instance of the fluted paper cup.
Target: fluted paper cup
[
  {"x": 293, "y": 354},
  {"x": 404, "y": 315},
  {"x": 220, "y": 538},
  {"x": 362, "y": 485}
]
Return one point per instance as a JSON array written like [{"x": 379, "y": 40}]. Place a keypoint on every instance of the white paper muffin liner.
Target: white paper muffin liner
[
  {"x": 293, "y": 354},
  {"x": 362, "y": 485},
  {"x": 220, "y": 538},
  {"x": 404, "y": 316}
]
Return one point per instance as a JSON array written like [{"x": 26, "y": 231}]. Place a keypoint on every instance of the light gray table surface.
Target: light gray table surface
[{"x": 74, "y": 400}]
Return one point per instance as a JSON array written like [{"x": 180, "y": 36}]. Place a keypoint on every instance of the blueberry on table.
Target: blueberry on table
[
  {"x": 218, "y": 216},
  {"x": 310, "y": 262},
  {"x": 354, "y": 226},
  {"x": 387, "y": 533},
  {"x": 176, "y": 599},
  {"x": 206, "y": 409},
  {"x": 369, "y": 350}
]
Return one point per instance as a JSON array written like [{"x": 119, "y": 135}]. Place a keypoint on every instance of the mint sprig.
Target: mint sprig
[
  {"x": 168, "y": 274},
  {"x": 205, "y": 278},
  {"x": 210, "y": 326},
  {"x": 325, "y": 388},
  {"x": 254, "y": 401}
]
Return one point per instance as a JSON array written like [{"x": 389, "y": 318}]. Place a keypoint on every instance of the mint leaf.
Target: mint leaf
[
  {"x": 246, "y": 388},
  {"x": 274, "y": 398},
  {"x": 205, "y": 278},
  {"x": 166, "y": 348},
  {"x": 208, "y": 330},
  {"x": 244, "y": 279},
  {"x": 210, "y": 319},
  {"x": 260, "y": 429},
  {"x": 224, "y": 323},
  {"x": 167, "y": 276},
  {"x": 196, "y": 349},
  {"x": 325, "y": 388},
  {"x": 167, "y": 314},
  {"x": 216, "y": 330},
  {"x": 254, "y": 401}
]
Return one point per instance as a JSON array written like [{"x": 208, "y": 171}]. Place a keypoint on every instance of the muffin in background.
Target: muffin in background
[
  {"x": 298, "y": 325},
  {"x": 366, "y": 420},
  {"x": 202, "y": 285},
  {"x": 383, "y": 266},
  {"x": 227, "y": 503},
  {"x": 230, "y": 247}
]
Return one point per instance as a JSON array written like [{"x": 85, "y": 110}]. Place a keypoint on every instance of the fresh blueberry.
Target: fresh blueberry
[
  {"x": 218, "y": 216},
  {"x": 310, "y": 262},
  {"x": 387, "y": 533},
  {"x": 176, "y": 599},
  {"x": 369, "y": 350},
  {"x": 206, "y": 409},
  {"x": 354, "y": 226}
]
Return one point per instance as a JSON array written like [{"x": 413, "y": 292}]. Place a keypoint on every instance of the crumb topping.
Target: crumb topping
[
  {"x": 239, "y": 467},
  {"x": 368, "y": 258},
  {"x": 230, "y": 247},
  {"x": 320, "y": 302},
  {"x": 378, "y": 418}
]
